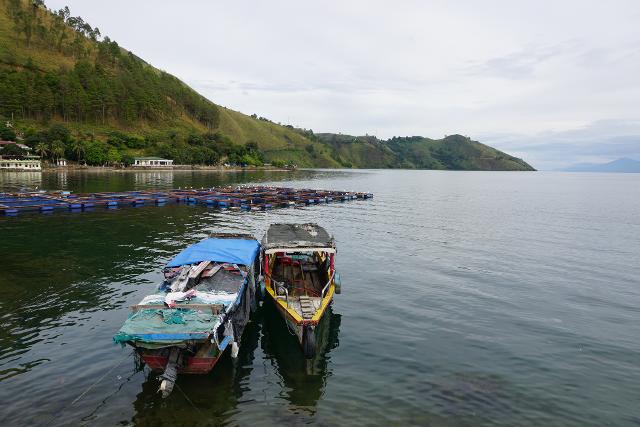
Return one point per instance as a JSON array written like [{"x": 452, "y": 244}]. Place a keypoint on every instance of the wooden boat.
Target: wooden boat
[
  {"x": 200, "y": 309},
  {"x": 300, "y": 277}
]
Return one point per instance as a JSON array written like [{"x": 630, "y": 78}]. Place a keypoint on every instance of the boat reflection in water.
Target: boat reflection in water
[
  {"x": 303, "y": 380},
  {"x": 200, "y": 399},
  {"x": 214, "y": 398}
]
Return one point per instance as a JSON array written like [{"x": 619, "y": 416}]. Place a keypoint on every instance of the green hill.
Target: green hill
[
  {"x": 455, "y": 152},
  {"x": 71, "y": 91}
]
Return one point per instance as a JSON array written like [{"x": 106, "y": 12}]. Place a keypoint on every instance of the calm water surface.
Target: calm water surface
[{"x": 469, "y": 299}]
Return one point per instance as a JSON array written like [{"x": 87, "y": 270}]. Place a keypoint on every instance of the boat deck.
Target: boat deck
[
  {"x": 303, "y": 279},
  {"x": 306, "y": 307}
]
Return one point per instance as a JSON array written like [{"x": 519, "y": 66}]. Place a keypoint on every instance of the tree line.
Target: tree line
[
  {"x": 57, "y": 141},
  {"x": 106, "y": 84}
]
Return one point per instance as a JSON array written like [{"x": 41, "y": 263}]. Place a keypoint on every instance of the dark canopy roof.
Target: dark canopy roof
[{"x": 297, "y": 236}]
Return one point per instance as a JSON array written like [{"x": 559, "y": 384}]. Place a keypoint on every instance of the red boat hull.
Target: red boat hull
[
  {"x": 201, "y": 363},
  {"x": 194, "y": 365}
]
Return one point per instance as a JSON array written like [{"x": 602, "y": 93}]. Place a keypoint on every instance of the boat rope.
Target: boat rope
[
  {"x": 274, "y": 280},
  {"x": 100, "y": 379},
  {"x": 104, "y": 401},
  {"x": 289, "y": 328},
  {"x": 88, "y": 389},
  {"x": 189, "y": 400}
]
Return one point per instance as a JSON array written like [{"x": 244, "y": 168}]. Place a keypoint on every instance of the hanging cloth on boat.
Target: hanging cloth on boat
[{"x": 172, "y": 297}]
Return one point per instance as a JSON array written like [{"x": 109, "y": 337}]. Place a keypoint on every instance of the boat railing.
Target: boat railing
[{"x": 327, "y": 285}]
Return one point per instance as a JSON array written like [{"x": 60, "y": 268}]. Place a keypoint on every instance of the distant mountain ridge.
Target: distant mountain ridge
[
  {"x": 624, "y": 165},
  {"x": 71, "y": 91}
]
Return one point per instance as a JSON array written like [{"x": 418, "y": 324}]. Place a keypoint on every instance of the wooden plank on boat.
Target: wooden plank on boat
[
  {"x": 195, "y": 272},
  {"x": 211, "y": 272},
  {"x": 214, "y": 308},
  {"x": 307, "y": 307},
  {"x": 181, "y": 282}
]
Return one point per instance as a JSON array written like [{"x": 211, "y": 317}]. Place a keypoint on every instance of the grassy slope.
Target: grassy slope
[
  {"x": 278, "y": 142},
  {"x": 13, "y": 50}
]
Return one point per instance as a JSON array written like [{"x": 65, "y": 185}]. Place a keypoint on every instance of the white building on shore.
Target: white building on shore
[
  {"x": 152, "y": 162},
  {"x": 26, "y": 163},
  {"x": 18, "y": 162}
]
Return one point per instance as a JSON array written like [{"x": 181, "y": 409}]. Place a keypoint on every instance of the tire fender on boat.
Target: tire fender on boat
[{"x": 309, "y": 342}]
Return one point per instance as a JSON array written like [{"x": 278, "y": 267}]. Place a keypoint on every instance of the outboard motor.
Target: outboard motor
[{"x": 168, "y": 377}]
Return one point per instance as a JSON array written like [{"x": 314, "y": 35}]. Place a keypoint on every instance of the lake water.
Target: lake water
[{"x": 468, "y": 299}]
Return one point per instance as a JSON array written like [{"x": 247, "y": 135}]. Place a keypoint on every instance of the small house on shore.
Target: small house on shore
[{"x": 152, "y": 162}]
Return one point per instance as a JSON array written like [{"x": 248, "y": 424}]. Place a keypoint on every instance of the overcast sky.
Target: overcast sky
[{"x": 553, "y": 82}]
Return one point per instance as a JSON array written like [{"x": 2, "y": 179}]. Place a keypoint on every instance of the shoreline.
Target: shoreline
[{"x": 98, "y": 169}]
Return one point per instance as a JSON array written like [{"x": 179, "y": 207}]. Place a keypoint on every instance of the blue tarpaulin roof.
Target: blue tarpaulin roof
[{"x": 234, "y": 251}]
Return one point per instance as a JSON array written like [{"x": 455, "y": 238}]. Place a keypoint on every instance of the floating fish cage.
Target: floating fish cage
[{"x": 234, "y": 198}]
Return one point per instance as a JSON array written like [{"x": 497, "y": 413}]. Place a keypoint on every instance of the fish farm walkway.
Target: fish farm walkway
[{"x": 238, "y": 198}]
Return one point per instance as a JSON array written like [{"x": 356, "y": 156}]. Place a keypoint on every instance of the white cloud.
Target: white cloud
[{"x": 531, "y": 69}]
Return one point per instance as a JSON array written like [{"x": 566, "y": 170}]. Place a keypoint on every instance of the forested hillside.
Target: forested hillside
[
  {"x": 67, "y": 89},
  {"x": 59, "y": 72}
]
